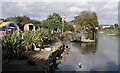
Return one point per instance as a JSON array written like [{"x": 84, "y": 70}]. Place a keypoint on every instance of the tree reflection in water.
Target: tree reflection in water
[{"x": 87, "y": 48}]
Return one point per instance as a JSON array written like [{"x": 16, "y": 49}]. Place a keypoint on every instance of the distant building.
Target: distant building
[
  {"x": 96, "y": 28},
  {"x": 105, "y": 26}
]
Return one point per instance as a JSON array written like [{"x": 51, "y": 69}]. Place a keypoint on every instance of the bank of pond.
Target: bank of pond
[{"x": 41, "y": 61}]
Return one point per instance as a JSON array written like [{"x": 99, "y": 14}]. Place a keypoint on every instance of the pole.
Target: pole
[
  {"x": 63, "y": 27},
  {"x": 64, "y": 17}
]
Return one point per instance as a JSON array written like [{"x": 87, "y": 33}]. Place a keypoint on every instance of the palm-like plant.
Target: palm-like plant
[
  {"x": 30, "y": 38},
  {"x": 35, "y": 37},
  {"x": 11, "y": 45}
]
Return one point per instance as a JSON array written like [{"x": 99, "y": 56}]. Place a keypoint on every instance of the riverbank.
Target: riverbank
[
  {"x": 110, "y": 31},
  {"x": 43, "y": 60}
]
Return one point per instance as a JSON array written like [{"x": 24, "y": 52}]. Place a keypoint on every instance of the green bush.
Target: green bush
[{"x": 12, "y": 45}]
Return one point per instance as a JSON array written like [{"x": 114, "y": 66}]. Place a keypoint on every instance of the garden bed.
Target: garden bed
[{"x": 37, "y": 60}]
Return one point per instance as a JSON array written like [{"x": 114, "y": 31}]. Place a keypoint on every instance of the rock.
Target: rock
[{"x": 48, "y": 49}]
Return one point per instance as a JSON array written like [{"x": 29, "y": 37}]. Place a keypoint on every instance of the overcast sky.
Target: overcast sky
[{"x": 107, "y": 12}]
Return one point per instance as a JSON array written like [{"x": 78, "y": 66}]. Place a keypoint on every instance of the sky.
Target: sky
[{"x": 107, "y": 12}]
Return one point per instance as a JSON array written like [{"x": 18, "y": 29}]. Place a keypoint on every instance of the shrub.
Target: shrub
[
  {"x": 35, "y": 37},
  {"x": 11, "y": 45}
]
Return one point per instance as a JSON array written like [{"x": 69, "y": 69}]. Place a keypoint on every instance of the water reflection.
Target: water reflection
[
  {"x": 88, "y": 48},
  {"x": 99, "y": 56}
]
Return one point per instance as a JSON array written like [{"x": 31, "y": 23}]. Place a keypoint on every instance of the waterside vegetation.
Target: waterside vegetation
[{"x": 47, "y": 33}]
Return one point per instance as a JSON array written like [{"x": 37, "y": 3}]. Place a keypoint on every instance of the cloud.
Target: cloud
[
  {"x": 0, "y": 10},
  {"x": 41, "y": 10},
  {"x": 60, "y": 0},
  {"x": 75, "y": 9},
  {"x": 110, "y": 5}
]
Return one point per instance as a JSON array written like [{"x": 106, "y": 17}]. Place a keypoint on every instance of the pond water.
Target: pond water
[{"x": 99, "y": 56}]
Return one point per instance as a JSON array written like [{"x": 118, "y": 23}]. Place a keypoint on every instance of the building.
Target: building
[{"x": 105, "y": 26}]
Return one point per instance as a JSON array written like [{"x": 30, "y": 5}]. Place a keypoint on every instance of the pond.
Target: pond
[{"x": 99, "y": 56}]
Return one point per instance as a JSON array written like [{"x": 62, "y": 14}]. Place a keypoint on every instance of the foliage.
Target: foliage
[
  {"x": 53, "y": 21},
  {"x": 22, "y": 20},
  {"x": 111, "y": 26},
  {"x": 36, "y": 37},
  {"x": 67, "y": 27},
  {"x": 86, "y": 20},
  {"x": 118, "y": 31},
  {"x": 116, "y": 25},
  {"x": 11, "y": 45}
]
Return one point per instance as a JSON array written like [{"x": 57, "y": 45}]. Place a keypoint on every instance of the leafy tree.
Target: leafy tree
[
  {"x": 116, "y": 25},
  {"x": 111, "y": 26},
  {"x": 53, "y": 21},
  {"x": 86, "y": 20},
  {"x": 68, "y": 27}
]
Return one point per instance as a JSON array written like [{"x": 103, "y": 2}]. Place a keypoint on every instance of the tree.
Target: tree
[
  {"x": 111, "y": 26},
  {"x": 53, "y": 21},
  {"x": 67, "y": 27},
  {"x": 36, "y": 23},
  {"x": 116, "y": 25},
  {"x": 85, "y": 21}
]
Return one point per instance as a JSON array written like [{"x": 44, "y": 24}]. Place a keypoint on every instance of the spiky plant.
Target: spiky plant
[
  {"x": 11, "y": 45},
  {"x": 35, "y": 37},
  {"x": 29, "y": 38}
]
